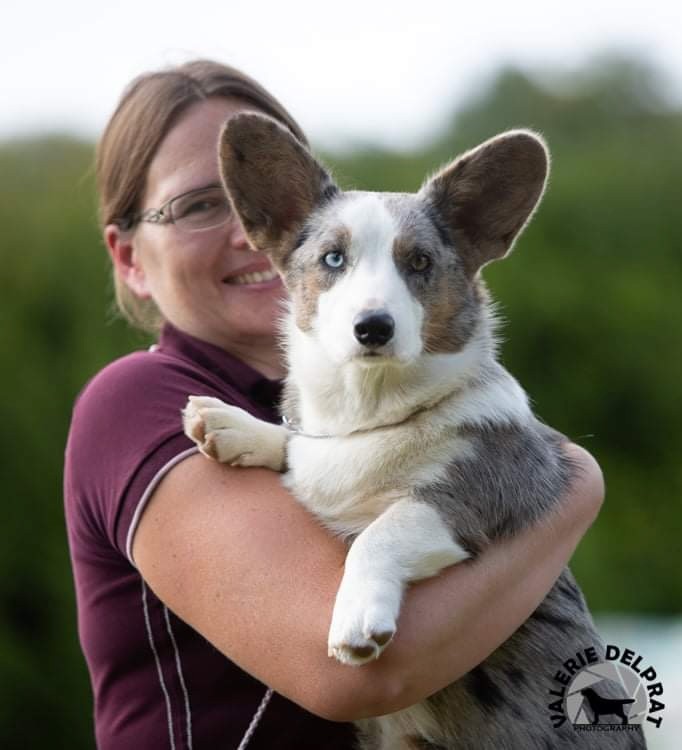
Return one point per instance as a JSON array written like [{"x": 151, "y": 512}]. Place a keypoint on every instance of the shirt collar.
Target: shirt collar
[{"x": 253, "y": 384}]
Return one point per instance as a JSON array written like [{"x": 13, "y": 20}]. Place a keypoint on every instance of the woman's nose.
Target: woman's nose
[{"x": 238, "y": 237}]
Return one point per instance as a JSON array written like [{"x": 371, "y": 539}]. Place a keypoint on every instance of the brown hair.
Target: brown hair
[{"x": 148, "y": 109}]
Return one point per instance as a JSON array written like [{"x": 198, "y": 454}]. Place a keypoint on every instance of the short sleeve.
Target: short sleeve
[{"x": 126, "y": 433}]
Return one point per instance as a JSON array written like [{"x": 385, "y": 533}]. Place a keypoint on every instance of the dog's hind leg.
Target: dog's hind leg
[{"x": 407, "y": 542}]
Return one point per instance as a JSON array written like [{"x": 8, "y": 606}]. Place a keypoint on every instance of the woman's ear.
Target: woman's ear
[{"x": 126, "y": 261}]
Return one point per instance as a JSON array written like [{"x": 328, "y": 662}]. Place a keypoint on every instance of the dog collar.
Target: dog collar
[
  {"x": 293, "y": 427},
  {"x": 290, "y": 425}
]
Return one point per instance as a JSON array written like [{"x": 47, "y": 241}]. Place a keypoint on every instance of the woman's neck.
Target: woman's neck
[
  {"x": 265, "y": 357},
  {"x": 262, "y": 353}
]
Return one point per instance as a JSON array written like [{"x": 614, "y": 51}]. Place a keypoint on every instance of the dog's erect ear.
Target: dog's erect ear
[
  {"x": 487, "y": 195},
  {"x": 272, "y": 179}
]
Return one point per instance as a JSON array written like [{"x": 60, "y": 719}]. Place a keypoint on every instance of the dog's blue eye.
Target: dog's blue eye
[{"x": 334, "y": 259}]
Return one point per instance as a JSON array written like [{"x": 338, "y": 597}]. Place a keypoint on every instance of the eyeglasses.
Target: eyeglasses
[{"x": 193, "y": 211}]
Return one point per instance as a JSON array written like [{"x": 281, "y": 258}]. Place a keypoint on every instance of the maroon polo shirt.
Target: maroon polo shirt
[{"x": 156, "y": 682}]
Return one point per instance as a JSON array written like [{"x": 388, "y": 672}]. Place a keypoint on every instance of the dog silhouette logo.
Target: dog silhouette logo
[
  {"x": 609, "y": 706},
  {"x": 606, "y": 693},
  {"x": 602, "y": 689}
]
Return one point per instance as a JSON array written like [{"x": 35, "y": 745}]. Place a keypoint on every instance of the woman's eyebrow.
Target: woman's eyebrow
[{"x": 169, "y": 195}]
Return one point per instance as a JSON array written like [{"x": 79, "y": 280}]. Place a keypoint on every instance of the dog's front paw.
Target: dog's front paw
[
  {"x": 363, "y": 624},
  {"x": 220, "y": 431},
  {"x": 231, "y": 435},
  {"x": 192, "y": 419}
]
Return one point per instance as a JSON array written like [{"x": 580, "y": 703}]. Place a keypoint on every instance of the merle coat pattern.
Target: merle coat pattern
[{"x": 411, "y": 440}]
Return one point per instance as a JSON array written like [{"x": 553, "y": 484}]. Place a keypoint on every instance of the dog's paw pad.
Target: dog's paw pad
[
  {"x": 195, "y": 429},
  {"x": 355, "y": 654},
  {"x": 193, "y": 424},
  {"x": 363, "y": 624},
  {"x": 362, "y": 652},
  {"x": 209, "y": 446},
  {"x": 384, "y": 638},
  {"x": 360, "y": 649}
]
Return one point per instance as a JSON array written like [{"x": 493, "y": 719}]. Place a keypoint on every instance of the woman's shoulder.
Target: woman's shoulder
[
  {"x": 126, "y": 424},
  {"x": 134, "y": 404},
  {"x": 144, "y": 379},
  {"x": 149, "y": 368}
]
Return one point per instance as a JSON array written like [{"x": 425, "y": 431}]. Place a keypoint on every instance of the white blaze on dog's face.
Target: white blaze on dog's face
[
  {"x": 366, "y": 312},
  {"x": 375, "y": 280},
  {"x": 381, "y": 278}
]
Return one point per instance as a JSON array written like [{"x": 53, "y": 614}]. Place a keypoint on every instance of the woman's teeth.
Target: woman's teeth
[{"x": 253, "y": 278}]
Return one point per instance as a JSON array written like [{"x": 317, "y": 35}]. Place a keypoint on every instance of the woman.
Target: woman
[{"x": 198, "y": 585}]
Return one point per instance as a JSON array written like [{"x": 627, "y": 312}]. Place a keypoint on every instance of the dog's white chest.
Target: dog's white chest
[{"x": 350, "y": 481}]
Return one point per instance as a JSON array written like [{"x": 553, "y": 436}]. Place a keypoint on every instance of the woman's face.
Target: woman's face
[{"x": 201, "y": 281}]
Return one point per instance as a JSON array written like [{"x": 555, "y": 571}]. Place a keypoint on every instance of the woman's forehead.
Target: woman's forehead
[{"x": 187, "y": 157}]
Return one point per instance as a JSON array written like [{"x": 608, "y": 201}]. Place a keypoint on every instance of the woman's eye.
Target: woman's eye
[
  {"x": 334, "y": 259},
  {"x": 420, "y": 262},
  {"x": 199, "y": 206}
]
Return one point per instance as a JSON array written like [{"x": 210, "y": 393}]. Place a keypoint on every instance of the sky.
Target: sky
[{"x": 351, "y": 72}]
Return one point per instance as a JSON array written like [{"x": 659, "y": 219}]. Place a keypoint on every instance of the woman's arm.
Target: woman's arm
[{"x": 233, "y": 554}]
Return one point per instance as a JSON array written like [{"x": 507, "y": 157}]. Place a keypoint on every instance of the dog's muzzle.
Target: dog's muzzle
[{"x": 373, "y": 328}]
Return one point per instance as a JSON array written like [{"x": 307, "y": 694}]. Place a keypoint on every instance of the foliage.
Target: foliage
[{"x": 592, "y": 302}]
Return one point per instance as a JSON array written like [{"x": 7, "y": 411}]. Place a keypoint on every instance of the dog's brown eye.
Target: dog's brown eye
[{"x": 420, "y": 262}]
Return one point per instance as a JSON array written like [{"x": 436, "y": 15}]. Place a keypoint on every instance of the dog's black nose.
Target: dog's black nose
[{"x": 374, "y": 329}]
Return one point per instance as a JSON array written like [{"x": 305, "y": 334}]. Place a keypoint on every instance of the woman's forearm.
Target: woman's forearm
[
  {"x": 235, "y": 556},
  {"x": 451, "y": 623}
]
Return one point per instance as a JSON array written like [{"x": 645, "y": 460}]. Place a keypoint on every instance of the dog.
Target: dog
[
  {"x": 608, "y": 706},
  {"x": 403, "y": 432}
]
